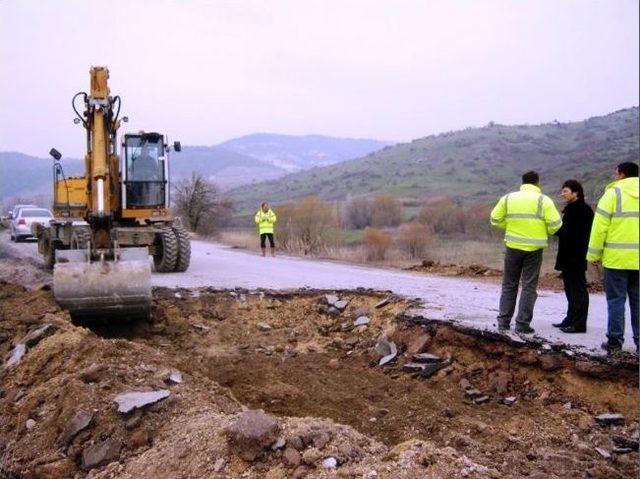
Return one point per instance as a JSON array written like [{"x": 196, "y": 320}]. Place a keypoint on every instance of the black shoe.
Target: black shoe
[
  {"x": 573, "y": 329},
  {"x": 525, "y": 329},
  {"x": 562, "y": 324},
  {"x": 611, "y": 346},
  {"x": 503, "y": 327}
]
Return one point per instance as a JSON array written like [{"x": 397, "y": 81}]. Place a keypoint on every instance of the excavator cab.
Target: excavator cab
[{"x": 145, "y": 171}]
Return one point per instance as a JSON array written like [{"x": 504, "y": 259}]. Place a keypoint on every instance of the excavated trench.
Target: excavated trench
[
  {"x": 514, "y": 405},
  {"x": 519, "y": 409}
]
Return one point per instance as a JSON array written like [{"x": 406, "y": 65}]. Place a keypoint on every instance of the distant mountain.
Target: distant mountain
[
  {"x": 295, "y": 153},
  {"x": 245, "y": 160},
  {"x": 475, "y": 165}
]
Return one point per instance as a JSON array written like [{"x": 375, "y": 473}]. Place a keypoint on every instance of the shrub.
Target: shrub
[
  {"x": 413, "y": 238},
  {"x": 387, "y": 211},
  {"x": 376, "y": 243}
]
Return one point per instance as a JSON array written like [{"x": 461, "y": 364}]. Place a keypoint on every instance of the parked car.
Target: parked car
[
  {"x": 13, "y": 213},
  {"x": 23, "y": 219}
]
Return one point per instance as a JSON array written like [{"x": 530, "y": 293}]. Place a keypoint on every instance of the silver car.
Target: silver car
[{"x": 21, "y": 223}]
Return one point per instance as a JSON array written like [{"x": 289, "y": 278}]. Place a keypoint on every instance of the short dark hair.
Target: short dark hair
[
  {"x": 530, "y": 178},
  {"x": 574, "y": 186},
  {"x": 628, "y": 169},
  {"x": 263, "y": 203}
]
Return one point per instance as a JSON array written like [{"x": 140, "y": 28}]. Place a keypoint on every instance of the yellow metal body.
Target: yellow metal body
[{"x": 70, "y": 197}]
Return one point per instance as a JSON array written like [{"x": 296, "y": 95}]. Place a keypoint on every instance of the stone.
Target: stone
[
  {"x": 426, "y": 358},
  {"x": 127, "y": 402},
  {"x": 34, "y": 337},
  {"x": 93, "y": 373},
  {"x": 383, "y": 303},
  {"x": 341, "y": 305},
  {"x": 625, "y": 442},
  {"x": 219, "y": 464},
  {"x": 509, "y": 401},
  {"x": 17, "y": 353},
  {"x": 567, "y": 406},
  {"x": 413, "y": 367},
  {"x": 362, "y": 321},
  {"x": 333, "y": 311},
  {"x": 291, "y": 457},
  {"x": 30, "y": 424},
  {"x": 334, "y": 363},
  {"x": 101, "y": 453},
  {"x": 264, "y": 327},
  {"x": 296, "y": 442},
  {"x": 174, "y": 377},
  {"x": 481, "y": 400},
  {"x": 330, "y": 463},
  {"x": 430, "y": 369},
  {"x": 361, "y": 311},
  {"x": 80, "y": 421},
  {"x": 473, "y": 393},
  {"x": 321, "y": 440},
  {"x": 201, "y": 327},
  {"x": 331, "y": 299},
  {"x": 279, "y": 444},
  {"x": 603, "y": 452},
  {"x": 609, "y": 419},
  {"x": 419, "y": 344},
  {"x": 252, "y": 433},
  {"x": 386, "y": 349},
  {"x": 311, "y": 456}
]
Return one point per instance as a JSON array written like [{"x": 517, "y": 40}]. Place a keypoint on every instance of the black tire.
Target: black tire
[
  {"x": 184, "y": 249},
  {"x": 166, "y": 245},
  {"x": 80, "y": 238}
]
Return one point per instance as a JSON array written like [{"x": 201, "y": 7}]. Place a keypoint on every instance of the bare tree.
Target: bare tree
[
  {"x": 358, "y": 213},
  {"x": 387, "y": 211},
  {"x": 198, "y": 202}
]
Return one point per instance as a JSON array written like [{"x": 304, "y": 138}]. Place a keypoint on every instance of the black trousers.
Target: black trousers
[
  {"x": 263, "y": 238},
  {"x": 575, "y": 288}
]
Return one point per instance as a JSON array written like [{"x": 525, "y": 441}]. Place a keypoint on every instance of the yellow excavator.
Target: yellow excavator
[{"x": 108, "y": 221}]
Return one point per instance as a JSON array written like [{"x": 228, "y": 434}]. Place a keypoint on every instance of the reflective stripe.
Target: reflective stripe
[
  {"x": 524, "y": 215},
  {"x": 626, "y": 214},
  {"x": 531, "y": 241},
  {"x": 618, "y": 200},
  {"x": 604, "y": 213},
  {"x": 495, "y": 221},
  {"x": 594, "y": 250},
  {"x": 621, "y": 245},
  {"x": 539, "y": 213},
  {"x": 555, "y": 223}
]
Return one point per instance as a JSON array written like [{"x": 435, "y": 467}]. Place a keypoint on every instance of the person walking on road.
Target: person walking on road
[
  {"x": 573, "y": 239},
  {"x": 266, "y": 219},
  {"x": 614, "y": 242},
  {"x": 528, "y": 218}
]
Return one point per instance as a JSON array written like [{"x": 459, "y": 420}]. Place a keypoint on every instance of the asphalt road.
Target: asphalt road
[{"x": 463, "y": 300}]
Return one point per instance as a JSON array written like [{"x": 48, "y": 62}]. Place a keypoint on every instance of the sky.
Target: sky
[{"x": 206, "y": 71}]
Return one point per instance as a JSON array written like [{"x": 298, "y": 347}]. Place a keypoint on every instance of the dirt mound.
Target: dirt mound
[
  {"x": 434, "y": 267},
  {"x": 489, "y": 409}
]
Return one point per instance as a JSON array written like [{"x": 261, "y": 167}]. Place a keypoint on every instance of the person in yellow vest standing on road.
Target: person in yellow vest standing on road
[
  {"x": 614, "y": 242},
  {"x": 528, "y": 218},
  {"x": 266, "y": 219}
]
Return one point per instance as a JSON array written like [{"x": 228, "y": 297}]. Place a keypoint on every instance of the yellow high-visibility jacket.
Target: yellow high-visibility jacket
[
  {"x": 528, "y": 218},
  {"x": 265, "y": 221},
  {"x": 614, "y": 234}
]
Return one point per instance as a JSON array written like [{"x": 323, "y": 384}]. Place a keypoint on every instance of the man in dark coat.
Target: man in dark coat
[{"x": 577, "y": 217}]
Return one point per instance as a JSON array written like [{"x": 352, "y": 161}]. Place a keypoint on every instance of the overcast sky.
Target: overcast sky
[{"x": 207, "y": 71}]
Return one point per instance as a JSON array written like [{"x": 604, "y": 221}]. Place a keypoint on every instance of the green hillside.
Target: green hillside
[{"x": 475, "y": 165}]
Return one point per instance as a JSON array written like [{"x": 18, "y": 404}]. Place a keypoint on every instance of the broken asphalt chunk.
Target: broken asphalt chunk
[
  {"x": 622, "y": 442},
  {"x": 426, "y": 358},
  {"x": 34, "y": 337},
  {"x": 127, "y": 402},
  {"x": 252, "y": 433},
  {"x": 413, "y": 367},
  {"x": 603, "y": 452},
  {"x": 509, "y": 401},
  {"x": 609, "y": 419},
  {"x": 383, "y": 303},
  {"x": 430, "y": 369},
  {"x": 362, "y": 321},
  {"x": 473, "y": 393},
  {"x": 16, "y": 355},
  {"x": 341, "y": 305},
  {"x": 481, "y": 400},
  {"x": 388, "y": 351},
  {"x": 101, "y": 453},
  {"x": 81, "y": 420},
  {"x": 174, "y": 377}
]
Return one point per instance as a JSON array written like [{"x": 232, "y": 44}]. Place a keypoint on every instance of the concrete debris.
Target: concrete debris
[
  {"x": 264, "y": 327},
  {"x": 509, "y": 401},
  {"x": 609, "y": 419},
  {"x": 426, "y": 358},
  {"x": 362, "y": 321},
  {"x": 341, "y": 305},
  {"x": 252, "y": 433},
  {"x": 330, "y": 463},
  {"x": 382, "y": 303},
  {"x": 430, "y": 369},
  {"x": 34, "y": 337},
  {"x": 80, "y": 421},
  {"x": 17, "y": 353},
  {"x": 603, "y": 452},
  {"x": 388, "y": 349},
  {"x": 127, "y": 402},
  {"x": 331, "y": 299},
  {"x": 101, "y": 453}
]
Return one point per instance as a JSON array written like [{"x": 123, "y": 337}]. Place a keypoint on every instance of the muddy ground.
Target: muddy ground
[{"x": 294, "y": 357}]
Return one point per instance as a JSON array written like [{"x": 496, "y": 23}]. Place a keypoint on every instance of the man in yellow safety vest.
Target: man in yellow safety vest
[
  {"x": 265, "y": 219},
  {"x": 614, "y": 242},
  {"x": 528, "y": 218}
]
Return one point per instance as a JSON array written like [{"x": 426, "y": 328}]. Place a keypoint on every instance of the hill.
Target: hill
[
  {"x": 475, "y": 165},
  {"x": 295, "y": 153}
]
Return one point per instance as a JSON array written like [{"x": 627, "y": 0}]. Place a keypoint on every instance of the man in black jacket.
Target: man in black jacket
[{"x": 577, "y": 217}]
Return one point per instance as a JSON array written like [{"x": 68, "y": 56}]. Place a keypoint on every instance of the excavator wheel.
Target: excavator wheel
[
  {"x": 184, "y": 249},
  {"x": 80, "y": 238},
  {"x": 167, "y": 251}
]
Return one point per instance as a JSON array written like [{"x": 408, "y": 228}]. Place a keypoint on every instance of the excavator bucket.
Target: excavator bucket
[{"x": 114, "y": 290}]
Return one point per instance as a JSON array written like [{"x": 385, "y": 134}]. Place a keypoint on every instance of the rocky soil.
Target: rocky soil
[{"x": 262, "y": 384}]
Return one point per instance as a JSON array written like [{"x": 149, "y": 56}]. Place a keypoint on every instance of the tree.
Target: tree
[
  {"x": 413, "y": 238},
  {"x": 376, "y": 243},
  {"x": 387, "y": 211},
  {"x": 443, "y": 216},
  {"x": 198, "y": 202},
  {"x": 358, "y": 213}
]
